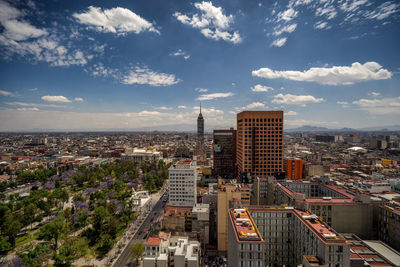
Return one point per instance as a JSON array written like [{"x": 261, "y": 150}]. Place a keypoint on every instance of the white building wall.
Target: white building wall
[{"x": 182, "y": 185}]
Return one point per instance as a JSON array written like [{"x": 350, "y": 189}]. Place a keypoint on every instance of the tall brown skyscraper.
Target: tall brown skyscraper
[{"x": 259, "y": 143}]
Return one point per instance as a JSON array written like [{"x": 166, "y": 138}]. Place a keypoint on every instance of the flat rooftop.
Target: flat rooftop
[
  {"x": 319, "y": 228},
  {"x": 244, "y": 226},
  {"x": 342, "y": 194}
]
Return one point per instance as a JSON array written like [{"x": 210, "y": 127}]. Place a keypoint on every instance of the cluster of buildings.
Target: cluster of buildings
[{"x": 254, "y": 196}]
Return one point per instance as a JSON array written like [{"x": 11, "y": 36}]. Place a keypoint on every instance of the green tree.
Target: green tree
[
  {"x": 11, "y": 227},
  {"x": 4, "y": 245},
  {"x": 71, "y": 250},
  {"x": 136, "y": 251},
  {"x": 30, "y": 212},
  {"x": 54, "y": 230},
  {"x": 106, "y": 243}
]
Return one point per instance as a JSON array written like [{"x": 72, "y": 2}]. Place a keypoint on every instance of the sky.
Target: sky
[{"x": 115, "y": 65}]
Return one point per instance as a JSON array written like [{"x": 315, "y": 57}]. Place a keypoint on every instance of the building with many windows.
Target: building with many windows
[
  {"x": 294, "y": 169},
  {"x": 182, "y": 183},
  {"x": 225, "y": 153},
  {"x": 331, "y": 203},
  {"x": 259, "y": 143},
  {"x": 276, "y": 236},
  {"x": 177, "y": 251}
]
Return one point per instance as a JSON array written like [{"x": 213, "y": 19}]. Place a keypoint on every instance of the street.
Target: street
[{"x": 141, "y": 235}]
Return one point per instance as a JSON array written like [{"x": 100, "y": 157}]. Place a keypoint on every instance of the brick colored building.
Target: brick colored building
[{"x": 259, "y": 143}]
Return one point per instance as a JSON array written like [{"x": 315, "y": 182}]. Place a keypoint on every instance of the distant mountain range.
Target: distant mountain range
[
  {"x": 309, "y": 128},
  {"x": 179, "y": 128}
]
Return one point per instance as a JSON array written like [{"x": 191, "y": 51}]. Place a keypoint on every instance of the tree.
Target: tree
[
  {"x": 106, "y": 243},
  {"x": 70, "y": 251},
  {"x": 29, "y": 213},
  {"x": 137, "y": 251},
  {"x": 64, "y": 196},
  {"x": 53, "y": 230},
  {"x": 11, "y": 227},
  {"x": 4, "y": 245}
]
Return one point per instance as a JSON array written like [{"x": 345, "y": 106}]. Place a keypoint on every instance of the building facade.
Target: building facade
[
  {"x": 259, "y": 143},
  {"x": 228, "y": 192},
  {"x": 175, "y": 251},
  {"x": 225, "y": 153},
  {"x": 294, "y": 169},
  {"x": 274, "y": 236},
  {"x": 182, "y": 184}
]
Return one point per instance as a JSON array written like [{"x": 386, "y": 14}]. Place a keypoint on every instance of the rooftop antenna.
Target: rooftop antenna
[{"x": 200, "y": 107}]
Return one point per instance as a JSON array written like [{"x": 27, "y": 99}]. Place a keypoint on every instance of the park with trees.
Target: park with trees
[{"x": 77, "y": 213}]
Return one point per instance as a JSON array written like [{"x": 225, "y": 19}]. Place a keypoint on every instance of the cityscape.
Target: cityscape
[{"x": 190, "y": 134}]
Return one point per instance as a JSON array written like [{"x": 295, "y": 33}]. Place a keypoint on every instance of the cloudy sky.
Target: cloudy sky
[{"x": 148, "y": 64}]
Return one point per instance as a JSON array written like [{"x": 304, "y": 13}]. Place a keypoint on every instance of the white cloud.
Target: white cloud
[
  {"x": 374, "y": 94},
  {"x": 56, "y": 98},
  {"x": 321, "y": 25},
  {"x": 212, "y": 22},
  {"x": 28, "y": 109},
  {"x": 21, "y": 38},
  {"x": 352, "y": 5},
  {"x": 383, "y": 11},
  {"x": 149, "y": 113},
  {"x": 214, "y": 96},
  {"x": 207, "y": 111},
  {"x": 13, "y": 119},
  {"x": 182, "y": 53},
  {"x": 287, "y": 15},
  {"x": 261, "y": 88},
  {"x": 291, "y": 113},
  {"x": 328, "y": 11},
  {"x": 24, "y": 104},
  {"x": 14, "y": 27},
  {"x": 115, "y": 20},
  {"x": 336, "y": 75},
  {"x": 300, "y": 100},
  {"x": 288, "y": 29},
  {"x": 384, "y": 106},
  {"x": 147, "y": 76},
  {"x": 78, "y": 99},
  {"x": 255, "y": 105},
  {"x": 33, "y": 89},
  {"x": 182, "y": 107},
  {"x": 201, "y": 90},
  {"x": 344, "y": 104},
  {"x": 279, "y": 42},
  {"x": 164, "y": 108},
  {"x": 6, "y": 93}
]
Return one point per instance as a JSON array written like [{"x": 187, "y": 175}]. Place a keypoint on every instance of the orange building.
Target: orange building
[
  {"x": 259, "y": 143},
  {"x": 294, "y": 169}
]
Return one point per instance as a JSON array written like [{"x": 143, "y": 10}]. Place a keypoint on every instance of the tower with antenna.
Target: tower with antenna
[{"x": 200, "y": 127}]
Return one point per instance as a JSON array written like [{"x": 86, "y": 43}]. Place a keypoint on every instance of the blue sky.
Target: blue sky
[{"x": 71, "y": 65}]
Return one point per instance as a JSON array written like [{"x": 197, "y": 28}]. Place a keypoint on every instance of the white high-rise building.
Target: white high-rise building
[{"x": 182, "y": 184}]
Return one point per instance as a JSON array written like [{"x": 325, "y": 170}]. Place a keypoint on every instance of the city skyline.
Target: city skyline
[{"x": 125, "y": 65}]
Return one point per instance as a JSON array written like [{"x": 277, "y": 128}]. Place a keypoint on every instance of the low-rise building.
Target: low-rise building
[{"x": 177, "y": 251}]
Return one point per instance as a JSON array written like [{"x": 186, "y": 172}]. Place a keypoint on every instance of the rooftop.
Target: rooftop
[
  {"x": 153, "y": 241},
  {"x": 360, "y": 250},
  {"x": 244, "y": 226}
]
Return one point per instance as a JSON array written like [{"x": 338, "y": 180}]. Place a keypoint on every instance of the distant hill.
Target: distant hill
[{"x": 309, "y": 128}]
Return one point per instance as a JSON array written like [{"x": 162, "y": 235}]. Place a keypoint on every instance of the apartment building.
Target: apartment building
[
  {"x": 169, "y": 250},
  {"x": 228, "y": 192},
  {"x": 259, "y": 143},
  {"x": 275, "y": 236},
  {"x": 182, "y": 183},
  {"x": 331, "y": 203}
]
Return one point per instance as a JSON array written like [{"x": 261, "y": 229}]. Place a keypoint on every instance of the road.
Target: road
[{"x": 141, "y": 235}]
